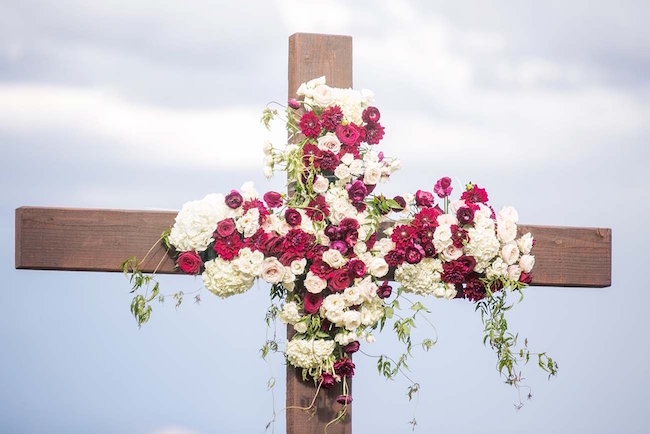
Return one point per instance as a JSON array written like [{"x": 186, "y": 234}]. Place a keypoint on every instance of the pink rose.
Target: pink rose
[
  {"x": 424, "y": 199},
  {"x": 189, "y": 262},
  {"x": 225, "y": 228},
  {"x": 443, "y": 187}
]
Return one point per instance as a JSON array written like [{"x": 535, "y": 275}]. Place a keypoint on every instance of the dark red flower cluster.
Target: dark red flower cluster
[
  {"x": 475, "y": 195},
  {"x": 344, "y": 367}
]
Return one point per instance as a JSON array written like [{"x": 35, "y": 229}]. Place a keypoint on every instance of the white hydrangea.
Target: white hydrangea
[
  {"x": 289, "y": 313},
  {"x": 445, "y": 290},
  {"x": 483, "y": 246},
  {"x": 372, "y": 312},
  {"x": 309, "y": 354},
  {"x": 421, "y": 278},
  {"x": 197, "y": 221},
  {"x": 343, "y": 338},
  {"x": 226, "y": 278}
]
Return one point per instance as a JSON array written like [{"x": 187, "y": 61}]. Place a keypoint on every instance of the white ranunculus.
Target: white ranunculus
[
  {"x": 510, "y": 253},
  {"x": 334, "y": 258},
  {"x": 527, "y": 262},
  {"x": 356, "y": 168},
  {"x": 329, "y": 142},
  {"x": 506, "y": 230},
  {"x": 360, "y": 248},
  {"x": 298, "y": 266},
  {"x": 372, "y": 174},
  {"x": 321, "y": 184},
  {"x": 272, "y": 271},
  {"x": 314, "y": 284},
  {"x": 508, "y": 213},
  {"x": 352, "y": 295},
  {"x": 525, "y": 243},
  {"x": 378, "y": 267},
  {"x": 352, "y": 319}
]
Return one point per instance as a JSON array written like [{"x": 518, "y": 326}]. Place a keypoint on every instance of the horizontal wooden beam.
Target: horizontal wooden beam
[{"x": 99, "y": 240}]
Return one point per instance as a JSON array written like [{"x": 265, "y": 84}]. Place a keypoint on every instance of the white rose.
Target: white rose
[
  {"x": 451, "y": 253},
  {"x": 442, "y": 237},
  {"x": 347, "y": 159},
  {"x": 508, "y": 213},
  {"x": 321, "y": 184},
  {"x": 506, "y": 230},
  {"x": 272, "y": 270},
  {"x": 334, "y": 258},
  {"x": 356, "y": 167},
  {"x": 298, "y": 266},
  {"x": 300, "y": 327},
  {"x": 514, "y": 272},
  {"x": 329, "y": 142},
  {"x": 352, "y": 295},
  {"x": 525, "y": 243},
  {"x": 372, "y": 175},
  {"x": 527, "y": 262},
  {"x": 333, "y": 302},
  {"x": 352, "y": 319},
  {"x": 378, "y": 267},
  {"x": 314, "y": 284},
  {"x": 510, "y": 253},
  {"x": 342, "y": 172},
  {"x": 360, "y": 248},
  {"x": 322, "y": 95},
  {"x": 447, "y": 219}
]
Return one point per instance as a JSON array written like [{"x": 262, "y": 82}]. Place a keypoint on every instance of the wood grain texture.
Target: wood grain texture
[
  {"x": 90, "y": 239},
  {"x": 312, "y": 56}
]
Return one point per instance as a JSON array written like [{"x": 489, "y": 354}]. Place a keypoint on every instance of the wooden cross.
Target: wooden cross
[{"x": 100, "y": 240}]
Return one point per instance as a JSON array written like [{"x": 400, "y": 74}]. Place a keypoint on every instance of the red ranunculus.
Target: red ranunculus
[
  {"x": 189, "y": 262},
  {"x": 458, "y": 236},
  {"x": 234, "y": 199},
  {"x": 347, "y": 134},
  {"x": 474, "y": 289},
  {"x": 339, "y": 280},
  {"x": 413, "y": 254},
  {"x": 371, "y": 115},
  {"x": 384, "y": 290},
  {"x": 424, "y": 199},
  {"x": 312, "y": 302},
  {"x": 273, "y": 199},
  {"x": 351, "y": 348},
  {"x": 225, "y": 228},
  {"x": 465, "y": 215},
  {"x": 310, "y": 125},
  {"x": 344, "y": 399},
  {"x": 292, "y": 217}
]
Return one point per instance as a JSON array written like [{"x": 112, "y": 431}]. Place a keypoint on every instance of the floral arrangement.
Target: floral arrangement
[{"x": 330, "y": 246}]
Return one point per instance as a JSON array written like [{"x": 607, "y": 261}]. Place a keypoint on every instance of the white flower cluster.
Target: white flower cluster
[
  {"x": 423, "y": 278},
  {"x": 226, "y": 278},
  {"x": 355, "y": 307},
  {"x": 352, "y": 102},
  {"x": 309, "y": 354}
]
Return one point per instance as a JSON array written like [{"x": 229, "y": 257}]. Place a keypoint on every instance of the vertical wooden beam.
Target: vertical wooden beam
[{"x": 312, "y": 56}]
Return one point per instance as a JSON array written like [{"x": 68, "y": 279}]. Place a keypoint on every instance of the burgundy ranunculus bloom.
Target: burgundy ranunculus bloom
[
  {"x": 475, "y": 195},
  {"x": 458, "y": 236},
  {"x": 429, "y": 249},
  {"x": 443, "y": 187},
  {"x": 344, "y": 367},
  {"x": 310, "y": 125},
  {"x": 347, "y": 134},
  {"x": 234, "y": 199},
  {"x": 357, "y": 268},
  {"x": 292, "y": 217},
  {"x": 349, "y": 224},
  {"x": 273, "y": 199},
  {"x": 474, "y": 289},
  {"x": 394, "y": 258},
  {"x": 339, "y": 280},
  {"x": 371, "y": 115},
  {"x": 294, "y": 103},
  {"x": 526, "y": 278},
  {"x": 424, "y": 199},
  {"x": 465, "y": 215},
  {"x": 374, "y": 133},
  {"x": 225, "y": 228},
  {"x": 312, "y": 302},
  {"x": 384, "y": 290},
  {"x": 189, "y": 262},
  {"x": 454, "y": 272},
  {"x": 468, "y": 262},
  {"x": 331, "y": 118},
  {"x": 413, "y": 254},
  {"x": 344, "y": 399},
  {"x": 352, "y": 347},
  {"x": 357, "y": 191},
  {"x": 327, "y": 161},
  {"x": 327, "y": 380}
]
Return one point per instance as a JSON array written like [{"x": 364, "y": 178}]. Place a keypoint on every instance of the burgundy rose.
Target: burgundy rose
[
  {"x": 357, "y": 268},
  {"x": 331, "y": 118},
  {"x": 384, "y": 290},
  {"x": 292, "y": 217},
  {"x": 443, "y": 187},
  {"x": 371, "y": 115},
  {"x": 468, "y": 262},
  {"x": 413, "y": 254},
  {"x": 465, "y": 215},
  {"x": 294, "y": 104},
  {"x": 234, "y": 199},
  {"x": 475, "y": 195},
  {"x": 339, "y": 280},
  {"x": 344, "y": 399},
  {"x": 347, "y": 134},
  {"x": 273, "y": 199},
  {"x": 352, "y": 347},
  {"x": 327, "y": 380},
  {"x": 374, "y": 133},
  {"x": 189, "y": 262},
  {"x": 310, "y": 125},
  {"x": 225, "y": 228},
  {"x": 344, "y": 367},
  {"x": 312, "y": 302},
  {"x": 424, "y": 199},
  {"x": 357, "y": 191}
]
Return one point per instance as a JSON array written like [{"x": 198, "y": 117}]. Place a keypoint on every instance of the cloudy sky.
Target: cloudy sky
[{"x": 123, "y": 104}]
